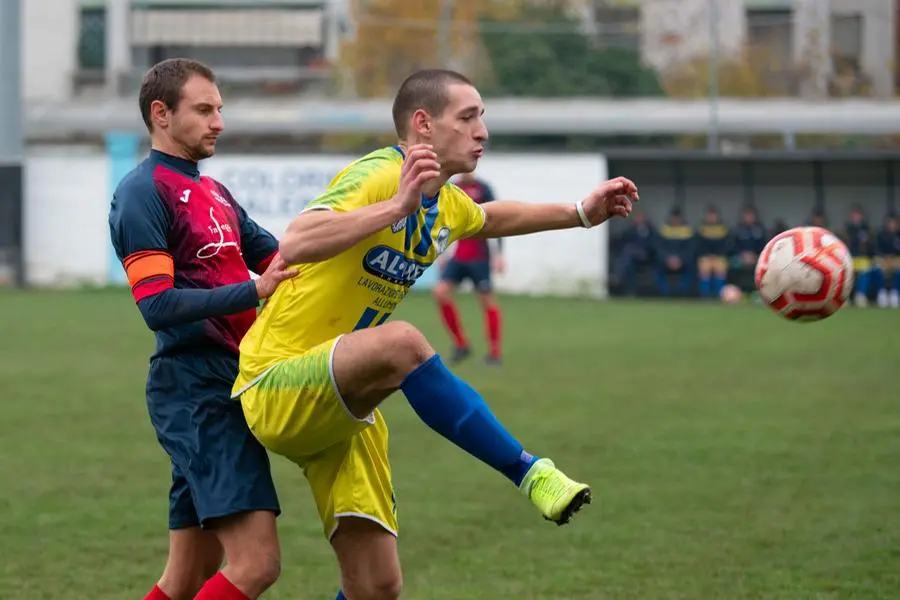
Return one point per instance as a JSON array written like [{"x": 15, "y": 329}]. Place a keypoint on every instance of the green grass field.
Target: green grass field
[{"x": 732, "y": 455}]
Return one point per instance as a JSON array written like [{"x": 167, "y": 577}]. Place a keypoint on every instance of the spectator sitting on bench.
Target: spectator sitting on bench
[
  {"x": 712, "y": 253},
  {"x": 747, "y": 243},
  {"x": 887, "y": 263},
  {"x": 859, "y": 239},
  {"x": 638, "y": 244},
  {"x": 675, "y": 254}
]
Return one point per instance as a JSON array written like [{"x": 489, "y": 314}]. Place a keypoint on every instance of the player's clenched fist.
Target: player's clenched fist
[
  {"x": 420, "y": 167},
  {"x": 613, "y": 198}
]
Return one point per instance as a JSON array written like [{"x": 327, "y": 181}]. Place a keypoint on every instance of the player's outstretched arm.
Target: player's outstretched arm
[
  {"x": 507, "y": 217},
  {"x": 317, "y": 235}
]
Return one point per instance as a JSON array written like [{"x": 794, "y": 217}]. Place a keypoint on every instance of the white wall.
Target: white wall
[
  {"x": 67, "y": 194},
  {"x": 554, "y": 262},
  {"x": 66, "y": 207}
]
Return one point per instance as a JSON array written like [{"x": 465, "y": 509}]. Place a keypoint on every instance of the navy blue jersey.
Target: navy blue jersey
[
  {"x": 186, "y": 245},
  {"x": 858, "y": 239},
  {"x": 748, "y": 238},
  {"x": 712, "y": 239},
  {"x": 888, "y": 243},
  {"x": 676, "y": 240}
]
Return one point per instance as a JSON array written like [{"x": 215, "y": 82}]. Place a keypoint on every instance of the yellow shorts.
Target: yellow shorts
[
  {"x": 717, "y": 264},
  {"x": 888, "y": 263},
  {"x": 294, "y": 409}
]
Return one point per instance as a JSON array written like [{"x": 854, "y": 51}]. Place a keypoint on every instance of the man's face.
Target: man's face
[
  {"x": 196, "y": 122},
  {"x": 749, "y": 217},
  {"x": 712, "y": 217},
  {"x": 856, "y": 217},
  {"x": 892, "y": 224},
  {"x": 458, "y": 135}
]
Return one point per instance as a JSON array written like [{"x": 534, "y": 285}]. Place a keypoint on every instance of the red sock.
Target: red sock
[
  {"x": 156, "y": 594},
  {"x": 451, "y": 320},
  {"x": 219, "y": 588},
  {"x": 492, "y": 322}
]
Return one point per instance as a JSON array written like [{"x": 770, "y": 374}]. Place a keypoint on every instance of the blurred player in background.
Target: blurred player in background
[
  {"x": 322, "y": 357},
  {"x": 186, "y": 246},
  {"x": 861, "y": 243},
  {"x": 472, "y": 260},
  {"x": 712, "y": 253},
  {"x": 887, "y": 263}
]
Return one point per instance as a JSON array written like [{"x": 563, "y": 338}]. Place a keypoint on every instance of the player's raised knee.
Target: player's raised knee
[{"x": 407, "y": 343}]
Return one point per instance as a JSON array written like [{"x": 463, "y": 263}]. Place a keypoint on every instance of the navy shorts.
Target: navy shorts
[
  {"x": 478, "y": 272},
  {"x": 218, "y": 467}
]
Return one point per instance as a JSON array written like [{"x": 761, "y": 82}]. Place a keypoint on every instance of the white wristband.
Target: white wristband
[{"x": 579, "y": 208}]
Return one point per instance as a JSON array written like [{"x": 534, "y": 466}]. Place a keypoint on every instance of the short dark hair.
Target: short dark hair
[
  {"x": 164, "y": 81},
  {"x": 425, "y": 89}
]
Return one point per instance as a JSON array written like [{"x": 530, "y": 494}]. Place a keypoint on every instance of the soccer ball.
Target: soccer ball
[
  {"x": 731, "y": 294},
  {"x": 805, "y": 274}
]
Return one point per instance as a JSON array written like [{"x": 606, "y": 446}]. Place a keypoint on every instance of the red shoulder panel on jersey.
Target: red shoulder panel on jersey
[{"x": 149, "y": 272}]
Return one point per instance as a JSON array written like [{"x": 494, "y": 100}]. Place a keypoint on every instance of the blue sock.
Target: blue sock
[
  {"x": 862, "y": 284},
  {"x": 662, "y": 282},
  {"x": 452, "y": 408},
  {"x": 705, "y": 287},
  {"x": 341, "y": 595},
  {"x": 718, "y": 284}
]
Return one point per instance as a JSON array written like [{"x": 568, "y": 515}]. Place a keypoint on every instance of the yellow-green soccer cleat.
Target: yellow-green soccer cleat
[{"x": 557, "y": 496}]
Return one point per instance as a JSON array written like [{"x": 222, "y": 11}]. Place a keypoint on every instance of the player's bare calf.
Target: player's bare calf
[{"x": 367, "y": 555}]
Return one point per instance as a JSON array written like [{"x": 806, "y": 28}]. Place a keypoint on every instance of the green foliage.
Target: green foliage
[
  {"x": 529, "y": 60},
  {"x": 545, "y": 54}
]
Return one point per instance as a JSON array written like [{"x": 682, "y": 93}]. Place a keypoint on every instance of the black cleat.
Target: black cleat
[
  {"x": 459, "y": 355},
  {"x": 581, "y": 498}
]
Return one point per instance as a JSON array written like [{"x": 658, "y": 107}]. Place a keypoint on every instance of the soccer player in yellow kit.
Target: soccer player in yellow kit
[{"x": 322, "y": 355}]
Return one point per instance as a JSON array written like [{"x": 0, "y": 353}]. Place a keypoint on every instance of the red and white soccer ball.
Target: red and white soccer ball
[
  {"x": 805, "y": 274},
  {"x": 731, "y": 294}
]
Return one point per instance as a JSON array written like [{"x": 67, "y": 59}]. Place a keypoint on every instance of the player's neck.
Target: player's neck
[
  {"x": 172, "y": 148},
  {"x": 435, "y": 186}
]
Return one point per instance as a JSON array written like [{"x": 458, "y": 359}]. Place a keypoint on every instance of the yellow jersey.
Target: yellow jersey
[{"x": 363, "y": 285}]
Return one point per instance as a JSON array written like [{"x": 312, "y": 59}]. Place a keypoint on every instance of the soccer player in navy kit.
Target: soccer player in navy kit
[
  {"x": 186, "y": 246},
  {"x": 472, "y": 259}
]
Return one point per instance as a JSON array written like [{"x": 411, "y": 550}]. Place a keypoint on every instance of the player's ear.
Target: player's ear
[
  {"x": 421, "y": 122},
  {"x": 159, "y": 114}
]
